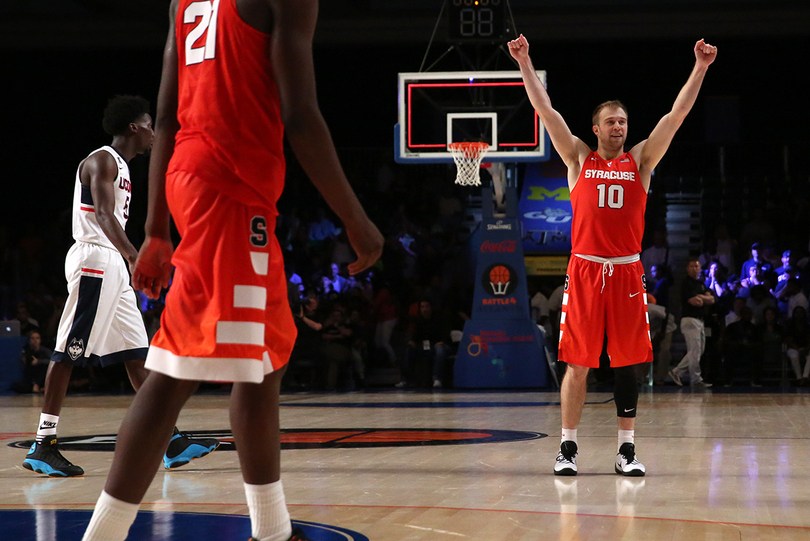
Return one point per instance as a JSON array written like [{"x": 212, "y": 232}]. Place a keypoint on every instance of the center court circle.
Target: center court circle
[
  {"x": 325, "y": 438},
  {"x": 67, "y": 525}
]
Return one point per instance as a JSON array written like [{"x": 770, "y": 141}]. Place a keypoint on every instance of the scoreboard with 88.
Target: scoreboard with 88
[{"x": 476, "y": 20}]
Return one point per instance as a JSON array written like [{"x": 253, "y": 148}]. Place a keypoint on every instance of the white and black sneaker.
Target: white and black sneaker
[
  {"x": 626, "y": 462},
  {"x": 567, "y": 459}
]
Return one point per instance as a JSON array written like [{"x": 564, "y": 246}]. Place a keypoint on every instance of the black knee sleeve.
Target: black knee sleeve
[{"x": 625, "y": 392}]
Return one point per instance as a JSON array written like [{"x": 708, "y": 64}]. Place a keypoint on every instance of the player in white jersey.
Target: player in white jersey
[{"x": 101, "y": 323}]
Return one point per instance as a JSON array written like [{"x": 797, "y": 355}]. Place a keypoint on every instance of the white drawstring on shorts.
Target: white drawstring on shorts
[{"x": 608, "y": 262}]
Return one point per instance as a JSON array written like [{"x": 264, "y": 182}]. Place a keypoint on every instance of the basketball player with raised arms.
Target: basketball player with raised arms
[
  {"x": 101, "y": 323},
  {"x": 605, "y": 287},
  {"x": 237, "y": 76}
]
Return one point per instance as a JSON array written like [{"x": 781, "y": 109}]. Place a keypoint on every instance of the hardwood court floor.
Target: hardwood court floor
[{"x": 721, "y": 466}]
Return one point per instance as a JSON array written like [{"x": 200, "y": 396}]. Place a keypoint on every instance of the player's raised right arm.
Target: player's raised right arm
[
  {"x": 570, "y": 148},
  {"x": 291, "y": 50},
  {"x": 153, "y": 268}
]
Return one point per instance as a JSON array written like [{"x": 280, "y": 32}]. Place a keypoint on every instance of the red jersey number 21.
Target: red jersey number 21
[{"x": 204, "y": 14}]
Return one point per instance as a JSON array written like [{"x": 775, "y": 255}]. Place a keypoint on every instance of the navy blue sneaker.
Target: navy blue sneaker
[
  {"x": 46, "y": 459},
  {"x": 183, "y": 450}
]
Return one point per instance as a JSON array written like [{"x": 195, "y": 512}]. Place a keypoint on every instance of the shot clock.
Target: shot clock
[{"x": 476, "y": 20}]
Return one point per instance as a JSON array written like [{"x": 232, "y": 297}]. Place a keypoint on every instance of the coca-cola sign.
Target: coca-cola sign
[{"x": 503, "y": 246}]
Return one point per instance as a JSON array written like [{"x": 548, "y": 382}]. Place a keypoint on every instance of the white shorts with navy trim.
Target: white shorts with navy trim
[{"x": 101, "y": 323}]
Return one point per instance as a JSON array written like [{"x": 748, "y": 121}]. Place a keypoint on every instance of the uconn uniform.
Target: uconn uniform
[
  {"x": 101, "y": 323},
  {"x": 605, "y": 288}
]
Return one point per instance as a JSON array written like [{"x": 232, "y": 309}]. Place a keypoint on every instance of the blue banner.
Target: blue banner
[{"x": 545, "y": 209}]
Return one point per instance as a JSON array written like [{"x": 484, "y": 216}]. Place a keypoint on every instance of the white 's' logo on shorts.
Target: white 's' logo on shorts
[{"x": 76, "y": 348}]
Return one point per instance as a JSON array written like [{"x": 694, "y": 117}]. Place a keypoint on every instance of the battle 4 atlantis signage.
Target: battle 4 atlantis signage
[{"x": 501, "y": 346}]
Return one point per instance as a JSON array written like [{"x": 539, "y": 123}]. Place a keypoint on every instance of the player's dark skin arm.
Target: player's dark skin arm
[
  {"x": 305, "y": 128},
  {"x": 157, "y": 218},
  {"x": 99, "y": 171}
]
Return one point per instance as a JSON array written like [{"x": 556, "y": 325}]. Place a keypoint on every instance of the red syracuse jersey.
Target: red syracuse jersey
[
  {"x": 231, "y": 134},
  {"x": 608, "y": 201}
]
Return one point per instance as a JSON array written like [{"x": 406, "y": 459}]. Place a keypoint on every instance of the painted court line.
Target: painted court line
[{"x": 426, "y": 508}]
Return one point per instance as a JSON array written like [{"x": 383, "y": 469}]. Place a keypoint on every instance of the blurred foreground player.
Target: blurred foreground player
[
  {"x": 101, "y": 323},
  {"x": 237, "y": 74},
  {"x": 605, "y": 287}
]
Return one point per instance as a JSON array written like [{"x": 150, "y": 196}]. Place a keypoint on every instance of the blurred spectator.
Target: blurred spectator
[
  {"x": 797, "y": 342},
  {"x": 662, "y": 338},
  {"x": 342, "y": 252},
  {"x": 332, "y": 281},
  {"x": 760, "y": 299},
  {"x": 35, "y": 359},
  {"x": 428, "y": 341},
  {"x": 786, "y": 262},
  {"x": 772, "y": 257},
  {"x": 294, "y": 278},
  {"x": 757, "y": 260},
  {"x": 386, "y": 317},
  {"x": 716, "y": 281},
  {"x": 27, "y": 323},
  {"x": 785, "y": 273},
  {"x": 736, "y": 309},
  {"x": 716, "y": 277},
  {"x": 52, "y": 325},
  {"x": 336, "y": 349},
  {"x": 752, "y": 279},
  {"x": 538, "y": 304},
  {"x": 322, "y": 228},
  {"x": 790, "y": 297},
  {"x": 658, "y": 253}
]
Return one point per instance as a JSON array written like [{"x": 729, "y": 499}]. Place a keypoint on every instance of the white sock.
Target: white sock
[
  {"x": 47, "y": 426},
  {"x": 269, "y": 518},
  {"x": 111, "y": 519},
  {"x": 626, "y": 436},
  {"x": 569, "y": 434}
]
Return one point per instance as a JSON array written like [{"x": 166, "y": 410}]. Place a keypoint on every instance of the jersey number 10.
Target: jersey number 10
[
  {"x": 615, "y": 195},
  {"x": 206, "y": 12}
]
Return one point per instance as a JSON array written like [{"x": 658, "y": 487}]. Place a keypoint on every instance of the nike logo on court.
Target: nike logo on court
[
  {"x": 634, "y": 294},
  {"x": 629, "y": 410}
]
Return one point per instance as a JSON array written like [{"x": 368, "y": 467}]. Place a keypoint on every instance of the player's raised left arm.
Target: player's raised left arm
[{"x": 648, "y": 153}]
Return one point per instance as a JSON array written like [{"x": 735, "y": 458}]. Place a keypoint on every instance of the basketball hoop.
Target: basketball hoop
[{"x": 468, "y": 158}]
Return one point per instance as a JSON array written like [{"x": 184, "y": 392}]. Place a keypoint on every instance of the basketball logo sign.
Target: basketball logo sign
[{"x": 499, "y": 279}]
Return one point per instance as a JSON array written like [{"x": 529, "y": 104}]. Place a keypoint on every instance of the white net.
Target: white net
[{"x": 468, "y": 158}]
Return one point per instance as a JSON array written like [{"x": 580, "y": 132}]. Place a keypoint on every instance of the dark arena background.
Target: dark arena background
[{"x": 376, "y": 446}]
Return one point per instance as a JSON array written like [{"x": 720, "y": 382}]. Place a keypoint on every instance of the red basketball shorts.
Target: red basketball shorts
[
  {"x": 227, "y": 317},
  {"x": 596, "y": 300}
]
